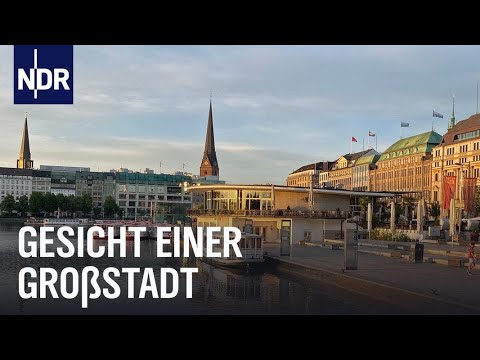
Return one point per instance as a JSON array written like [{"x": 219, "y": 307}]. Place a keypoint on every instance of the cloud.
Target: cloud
[{"x": 275, "y": 107}]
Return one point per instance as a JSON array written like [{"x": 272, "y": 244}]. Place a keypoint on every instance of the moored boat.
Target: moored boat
[
  {"x": 251, "y": 248},
  {"x": 72, "y": 222}
]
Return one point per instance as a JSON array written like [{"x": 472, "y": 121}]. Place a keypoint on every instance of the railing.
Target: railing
[
  {"x": 247, "y": 254},
  {"x": 314, "y": 214}
]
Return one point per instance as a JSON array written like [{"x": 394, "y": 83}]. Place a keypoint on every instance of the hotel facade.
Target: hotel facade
[
  {"x": 405, "y": 167},
  {"x": 458, "y": 154},
  {"x": 341, "y": 174}
]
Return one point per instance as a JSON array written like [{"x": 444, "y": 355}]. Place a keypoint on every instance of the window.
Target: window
[{"x": 436, "y": 177}]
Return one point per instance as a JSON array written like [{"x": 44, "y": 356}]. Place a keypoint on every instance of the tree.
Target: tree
[
  {"x": 435, "y": 211},
  {"x": 110, "y": 207},
  {"x": 77, "y": 203},
  {"x": 22, "y": 204},
  {"x": 8, "y": 204},
  {"x": 62, "y": 202},
  {"x": 97, "y": 211},
  {"x": 50, "y": 201},
  {"x": 36, "y": 202},
  {"x": 70, "y": 204},
  {"x": 409, "y": 203},
  {"x": 86, "y": 203}
]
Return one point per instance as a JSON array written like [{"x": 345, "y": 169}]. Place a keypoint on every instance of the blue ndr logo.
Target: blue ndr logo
[{"x": 43, "y": 74}]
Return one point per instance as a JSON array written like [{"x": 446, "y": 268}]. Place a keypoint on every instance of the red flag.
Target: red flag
[
  {"x": 354, "y": 140},
  {"x": 469, "y": 187},
  {"x": 449, "y": 184}
]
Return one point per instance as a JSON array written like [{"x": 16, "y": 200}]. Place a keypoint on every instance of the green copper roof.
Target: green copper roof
[
  {"x": 371, "y": 159},
  {"x": 421, "y": 144}
]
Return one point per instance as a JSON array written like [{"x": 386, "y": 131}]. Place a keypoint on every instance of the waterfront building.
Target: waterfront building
[
  {"x": 198, "y": 197},
  {"x": 340, "y": 173},
  {"x": 20, "y": 182},
  {"x": 305, "y": 214},
  {"x": 458, "y": 151},
  {"x": 98, "y": 185},
  {"x": 307, "y": 174},
  {"x": 71, "y": 169},
  {"x": 361, "y": 171},
  {"x": 63, "y": 182},
  {"x": 324, "y": 178},
  {"x": 140, "y": 194},
  {"x": 406, "y": 166},
  {"x": 209, "y": 164},
  {"x": 25, "y": 161}
]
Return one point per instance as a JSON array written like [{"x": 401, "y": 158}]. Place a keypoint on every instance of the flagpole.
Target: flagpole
[
  {"x": 351, "y": 144},
  {"x": 376, "y": 142},
  {"x": 363, "y": 144}
]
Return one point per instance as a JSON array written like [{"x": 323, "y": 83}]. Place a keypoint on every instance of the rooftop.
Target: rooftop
[
  {"x": 421, "y": 144},
  {"x": 318, "y": 166},
  {"x": 290, "y": 189},
  {"x": 464, "y": 126}
]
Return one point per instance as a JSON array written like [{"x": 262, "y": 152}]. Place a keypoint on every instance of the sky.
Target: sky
[{"x": 275, "y": 108}]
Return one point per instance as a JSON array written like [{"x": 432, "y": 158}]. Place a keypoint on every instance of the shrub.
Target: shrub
[{"x": 386, "y": 235}]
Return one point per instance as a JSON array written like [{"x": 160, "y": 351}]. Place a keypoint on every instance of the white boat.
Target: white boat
[
  {"x": 105, "y": 224},
  {"x": 130, "y": 234},
  {"x": 33, "y": 222},
  {"x": 57, "y": 222},
  {"x": 251, "y": 247}
]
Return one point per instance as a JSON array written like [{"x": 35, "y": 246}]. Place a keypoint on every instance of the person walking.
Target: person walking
[{"x": 471, "y": 258}]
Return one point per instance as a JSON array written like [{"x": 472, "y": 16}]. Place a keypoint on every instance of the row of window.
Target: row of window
[
  {"x": 462, "y": 149},
  {"x": 145, "y": 204},
  {"x": 18, "y": 182},
  {"x": 18, "y": 193},
  {"x": 467, "y": 135}
]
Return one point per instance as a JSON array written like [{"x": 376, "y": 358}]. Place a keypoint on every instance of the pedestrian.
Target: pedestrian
[{"x": 471, "y": 258}]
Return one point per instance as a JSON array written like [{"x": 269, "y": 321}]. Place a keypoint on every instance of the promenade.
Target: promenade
[{"x": 416, "y": 288}]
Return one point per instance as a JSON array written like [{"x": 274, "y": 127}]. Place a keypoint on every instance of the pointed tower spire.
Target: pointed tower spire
[
  {"x": 209, "y": 165},
  {"x": 24, "y": 161},
  {"x": 452, "y": 118}
]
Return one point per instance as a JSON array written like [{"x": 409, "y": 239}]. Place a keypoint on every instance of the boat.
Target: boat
[
  {"x": 33, "y": 222},
  {"x": 251, "y": 247},
  {"x": 105, "y": 224},
  {"x": 130, "y": 234},
  {"x": 58, "y": 222}
]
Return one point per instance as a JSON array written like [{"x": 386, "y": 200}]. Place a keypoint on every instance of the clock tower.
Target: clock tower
[{"x": 209, "y": 164}]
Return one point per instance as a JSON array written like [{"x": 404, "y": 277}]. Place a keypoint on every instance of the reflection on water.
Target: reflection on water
[{"x": 215, "y": 291}]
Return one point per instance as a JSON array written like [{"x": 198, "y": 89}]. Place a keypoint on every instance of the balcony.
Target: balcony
[{"x": 310, "y": 214}]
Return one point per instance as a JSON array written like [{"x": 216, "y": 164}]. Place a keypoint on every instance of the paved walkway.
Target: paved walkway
[{"x": 451, "y": 285}]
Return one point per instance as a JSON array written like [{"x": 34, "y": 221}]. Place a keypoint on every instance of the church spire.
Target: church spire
[
  {"x": 452, "y": 118},
  {"x": 24, "y": 161},
  {"x": 209, "y": 165}
]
